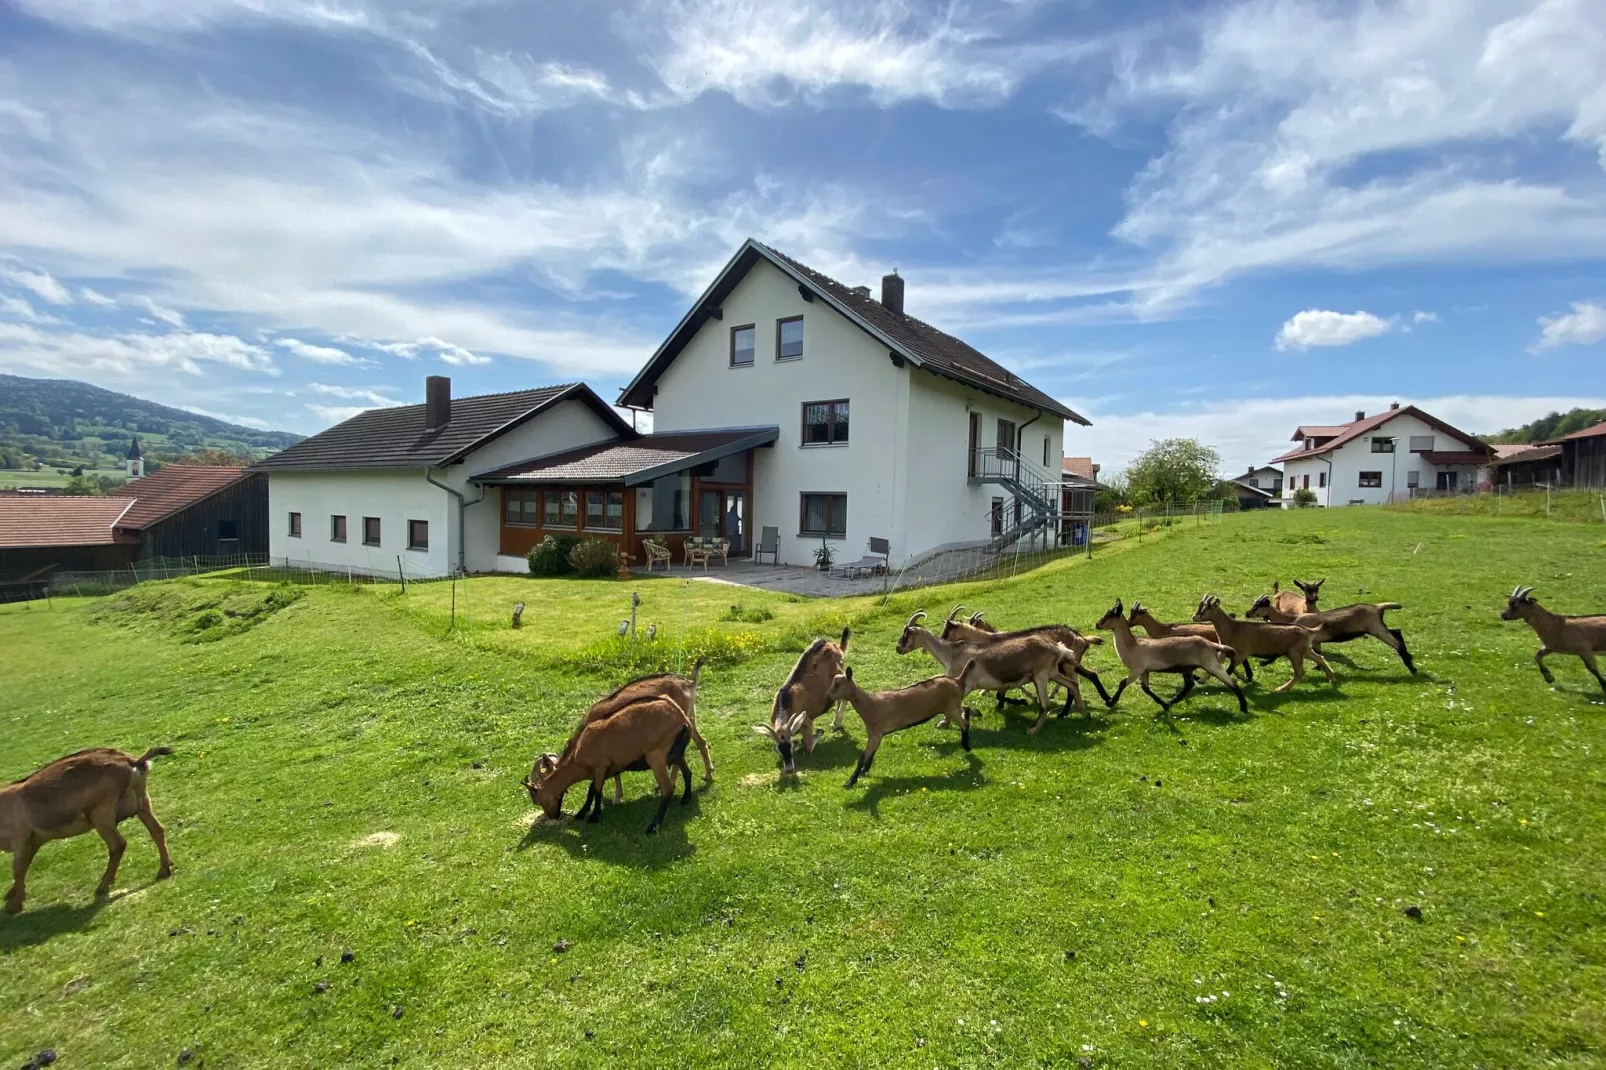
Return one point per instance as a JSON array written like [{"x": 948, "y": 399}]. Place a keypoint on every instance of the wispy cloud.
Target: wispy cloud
[
  {"x": 40, "y": 283},
  {"x": 1584, "y": 325},
  {"x": 318, "y": 354},
  {"x": 125, "y": 356}
]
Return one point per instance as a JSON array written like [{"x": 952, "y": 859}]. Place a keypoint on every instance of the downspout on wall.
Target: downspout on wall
[{"x": 462, "y": 520}]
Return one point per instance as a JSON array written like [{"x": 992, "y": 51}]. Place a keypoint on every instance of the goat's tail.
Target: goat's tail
[
  {"x": 144, "y": 760},
  {"x": 1381, "y": 606},
  {"x": 844, "y": 643},
  {"x": 1226, "y": 653},
  {"x": 1093, "y": 640}
]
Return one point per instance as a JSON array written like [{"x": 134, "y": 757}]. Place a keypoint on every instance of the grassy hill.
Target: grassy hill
[
  {"x": 1210, "y": 890},
  {"x": 65, "y": 424}
]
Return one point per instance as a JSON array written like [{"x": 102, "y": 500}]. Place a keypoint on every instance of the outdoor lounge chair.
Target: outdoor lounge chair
[
  {"x": 871, "y": 563},
  {"x": 769, "y": 542},
  {"x": 657, "y": 551}
]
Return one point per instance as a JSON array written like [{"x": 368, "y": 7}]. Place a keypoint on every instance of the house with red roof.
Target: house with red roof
[{"x": 1389, "y": 456}]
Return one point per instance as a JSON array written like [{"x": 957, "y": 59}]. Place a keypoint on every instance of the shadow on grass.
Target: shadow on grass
[
  {"x": 967, "y": 779},
  {"x": 33, "y": 927},
  {"x": 1069, "y": 733},
  {"x": 620, "y": 837}
]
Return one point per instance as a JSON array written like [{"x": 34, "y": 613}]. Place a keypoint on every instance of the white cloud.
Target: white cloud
[
  {"x": 1319, "y": 327},
  {"x": 19, "y": 308},
  {"x": 95, "y": 297},
  {"x": 166, "y": 315},
  {"x": 375, "y": 397},
  {"x": 318, "y": 354},
  {"x": 1420, "y": 316},
  {"x": 125, "y": 356},
  {"x": 1584, "y": 325},
  {"x": 1254, "y": 430},
  {"x": 40, "y": 283}
]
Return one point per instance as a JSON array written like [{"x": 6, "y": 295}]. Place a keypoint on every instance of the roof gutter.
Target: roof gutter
[{"x": 462, "y": 520}]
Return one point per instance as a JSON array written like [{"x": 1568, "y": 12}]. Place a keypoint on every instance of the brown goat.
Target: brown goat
[
  {"x": 1581, "y": 636},
  {"x": 1179, "y": 653},
  {"x": 1297, "y": 602},
  {"x": 649, "y": 734},
  {"x": 1140, "y": 617},
  {"x": 1261, "y": 639},
  {"x": 92, "y": 789},
  {"x": 885, "y": 712},
  {"x": 679, "y": 688},
  {"x": 1340, "y": 625},
  {"x": 978, "y": 630},
  {"x": 1002, "y": 663},
  {"x": 803, "y": 697}
]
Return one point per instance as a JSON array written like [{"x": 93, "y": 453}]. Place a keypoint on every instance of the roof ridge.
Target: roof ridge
[{"x": 555, "y": 388}]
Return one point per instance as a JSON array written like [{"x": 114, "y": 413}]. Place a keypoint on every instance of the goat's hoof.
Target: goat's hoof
[
  {"x": 652, "y": 830},
  {"x": 164, "y": 873},
  {"x": 13, "y": 906}
]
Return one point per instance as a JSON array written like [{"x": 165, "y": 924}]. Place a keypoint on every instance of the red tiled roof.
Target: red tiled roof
[
  {"x": 1351, "y": 432},
  {"x": 1502, "y": 450},
  {"x": 171, "y": 488},
  {"x": 1588, "y": 432},
  {"x": 1080, "y": 466},
  {"x": 1304, "y": 431},
  {"x": 61, "y": 521}
]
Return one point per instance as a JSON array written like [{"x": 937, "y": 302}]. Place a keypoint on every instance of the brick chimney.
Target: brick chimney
[
  {"x": 892, "y": 292},
  {"x": 437, "y": 402},
  {"x": 1360, "y": 414}
]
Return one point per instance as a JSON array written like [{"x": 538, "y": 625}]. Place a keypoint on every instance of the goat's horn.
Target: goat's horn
[
  {"x": 977, "y": 616},
  {"x": 954, "y": 612},
  {"x": 919, "y": 613}
]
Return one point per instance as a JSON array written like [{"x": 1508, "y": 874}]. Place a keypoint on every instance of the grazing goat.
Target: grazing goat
[
  {"x": 977, "y": 630},
  {"x": 92, "y": 789},
  {"x": 802, "y": 698},
  {"x": 885, "y": 712},
  {"x": 1582, "y": 636},
  {"x": 1002, "y": 663},
  {"x": 651, "y": 733},
  {"x": 671, "y": 685},
  {"x": 1259, "y": 639},
  {"x": 1340, "y": 625},
  {"x": 1179, "y": 653},
  {"x": 1296, "y": 602}
]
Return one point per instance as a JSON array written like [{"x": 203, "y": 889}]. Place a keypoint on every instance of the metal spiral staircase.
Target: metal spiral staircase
[{"x": 1033, "y": 506}]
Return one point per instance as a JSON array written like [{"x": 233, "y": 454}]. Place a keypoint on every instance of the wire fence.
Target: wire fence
[{"x": 257, "y": 568}]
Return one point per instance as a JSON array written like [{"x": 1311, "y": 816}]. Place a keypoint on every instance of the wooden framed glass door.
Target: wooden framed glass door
[{"x": 722, "y": 514}]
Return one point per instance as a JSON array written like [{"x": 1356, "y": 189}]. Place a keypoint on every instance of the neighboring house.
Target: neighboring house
[
  {"x": 1522, "y": 465},
  {"x": 1249, "y": 496},
  {"x": 1390, "y": 456},
  {"x": 391, "y": 490},
  {"x": 1264, "y": 478},
  {"x": 178, "y": 511},
  {"x": 1583, "y": 457},
  {"x": 1079, "y": 487},
  {"x": 884, "y": 426},
  {"x": 1081, "y": 470}
]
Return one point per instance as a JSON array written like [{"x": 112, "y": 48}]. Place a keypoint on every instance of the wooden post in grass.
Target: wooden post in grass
[{"x": 402, "y": 572}]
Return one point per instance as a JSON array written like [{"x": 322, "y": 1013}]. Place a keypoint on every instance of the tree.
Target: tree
[
  {"x": 1172, "y": 470},
  {"x": 95, "y": 485},
  {"x": 1554, "y": 425},
  {"x": 217, "y": 458}
]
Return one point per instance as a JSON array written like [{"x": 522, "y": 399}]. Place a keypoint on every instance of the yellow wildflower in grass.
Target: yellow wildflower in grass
[{"x": 1143, "y": 1023}]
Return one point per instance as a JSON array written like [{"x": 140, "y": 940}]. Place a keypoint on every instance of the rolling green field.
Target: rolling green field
[
  {"x": 1206, "y": 891},
  {"x": 49, "y": 477}
]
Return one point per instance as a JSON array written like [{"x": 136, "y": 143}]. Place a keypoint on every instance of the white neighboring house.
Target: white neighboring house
[
  {"x": 1264, "y": 478},
  {"x": 1390, "y": 456},
  {"x": 390, "y": 489},
  {"x": 887, "y": 427}
]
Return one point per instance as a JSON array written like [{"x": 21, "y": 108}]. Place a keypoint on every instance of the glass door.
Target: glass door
[{"x": 722, "y": 514}]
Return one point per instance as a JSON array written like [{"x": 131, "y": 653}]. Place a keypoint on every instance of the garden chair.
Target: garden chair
[
  {"x": 657, "y": 551},
  {"x": 769, "y": 542},
  {"x": 871, "y": 563}
]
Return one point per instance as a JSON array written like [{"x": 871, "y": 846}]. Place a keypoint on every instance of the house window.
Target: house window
[
  {"x": 665, "y": 504},
  {"x": 418, "y": 534},
  {"x": 1382, "y": 445},
  {"x": 824, "y": 514},
  {"x": 605, "y": 510},
  {"x": 997, "y": 515},
  {"x": 370, "y": 531},
  {"x": 1321, "y": 479},
  {"x": 337, "y": 529},
  {"x": 228, "y": 529},
  {"x": 974, "y": 453},
  {"x": 742, "y": 346},
  {"x": 562, "y": 508},
  {"x": 1413, "y": 479},
  {"x": 523, "y": 506},
  {"x": 788, "y": 338},
  {"x": 1045, "y": 451},
  {"x": 1306, "y": 484},
  {"x": 295, "y": 525},
  {"x": 1371, "y": 479},
  {"x": 825, "y": 423},
  {"x": 1421, "y": 443}
]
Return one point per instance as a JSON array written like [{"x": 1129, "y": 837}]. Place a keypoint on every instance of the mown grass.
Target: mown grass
[{"x": 1077, "y": 896}]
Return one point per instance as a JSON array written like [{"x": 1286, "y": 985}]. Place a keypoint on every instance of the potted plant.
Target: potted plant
[{"x": 824, "y": 556}]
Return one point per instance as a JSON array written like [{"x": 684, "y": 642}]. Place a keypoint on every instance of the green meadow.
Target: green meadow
[{"x": 1208, "y": 889}]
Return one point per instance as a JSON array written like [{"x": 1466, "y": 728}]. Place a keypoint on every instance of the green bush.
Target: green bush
[
  {"x": 743, "y": 615},
  {"x": 595, "y": 559},
  {"x": 1304, "y": 498},
  {"x": 551, "y": 556}
]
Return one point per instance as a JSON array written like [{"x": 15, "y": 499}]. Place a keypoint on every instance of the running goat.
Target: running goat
[
  {"x": 1582, "y": 636},
  {"x": 886, "y": 712},
  {"x": 978, "y": 630},
  {"x": 1260, "y": 639},
  {"x": 1297, "y": 602},
  {"x": 1181, "y": 653},
  {"x": 1002, "y": 663},
  {"x": 1340, "y": 625}
]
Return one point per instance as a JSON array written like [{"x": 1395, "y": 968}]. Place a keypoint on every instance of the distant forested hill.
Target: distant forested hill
[
  {"x": 1548, "y": 427},
  {"x": 60, "y": 422}
]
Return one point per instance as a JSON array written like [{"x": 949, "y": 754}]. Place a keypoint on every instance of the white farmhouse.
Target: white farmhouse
[
  {"x": 1390, "y": 456},
  {"x": 783, "y": 399},
  {"x": 888, "y": 427}
]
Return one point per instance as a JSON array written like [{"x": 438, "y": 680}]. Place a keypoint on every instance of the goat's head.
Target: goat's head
[
  {"x": 841, "y": 686},
  {"x": 953, "y": 614},
  {"x": 1517, "y": 604},
  {"x": 544, "y": 764},
  {"x": 1261, "y": 610},
  {"x": 1207, "y": 605},
  {"x": 1113, "y": 614},
  {"x": 978, "y": 619},
  {"x": 783, "y": 728},
  {"x": 909, "y": 640},
  {"x": 1312, "y": 591},
  {"x": 1140, "y": 615}
]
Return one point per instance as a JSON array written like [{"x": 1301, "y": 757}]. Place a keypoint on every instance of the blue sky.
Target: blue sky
[{"x": 1219, "y": 220}]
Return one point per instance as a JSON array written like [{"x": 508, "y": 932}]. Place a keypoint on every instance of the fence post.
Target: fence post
[{"x": 402, "y": 572}]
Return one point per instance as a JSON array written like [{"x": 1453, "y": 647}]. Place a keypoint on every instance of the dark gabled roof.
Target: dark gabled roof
[
  {"x": 62, "y": 520},
  {"x": 171, "y": 488},
  {"x": 637, "y": 460},
  {"x": 1589, "y": 432},
  {"x": 1350, "y": 432},
  {"x": 915, "y": 341},
  {"x": 1262, "y": 491},
  {"x": 396, "y": 437},
  {"x": 1527, "y": 454}
]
